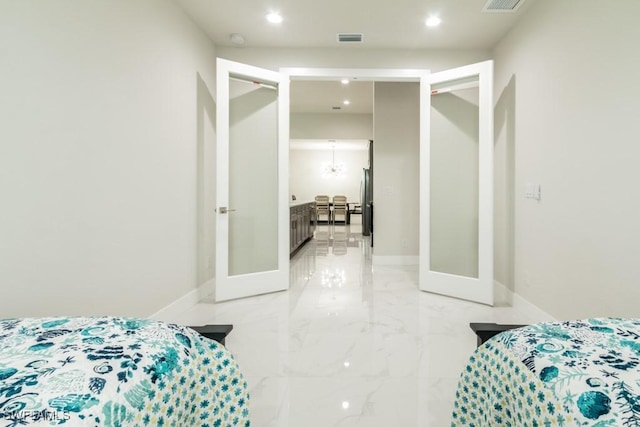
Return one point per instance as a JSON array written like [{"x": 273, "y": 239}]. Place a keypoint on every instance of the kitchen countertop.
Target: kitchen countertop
[{"x": 295, "y": 203}]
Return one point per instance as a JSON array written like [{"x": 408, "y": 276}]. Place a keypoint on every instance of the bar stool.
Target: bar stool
[
  {"x": 339, "y": 208},
  {"x": 322, "y": 207}
]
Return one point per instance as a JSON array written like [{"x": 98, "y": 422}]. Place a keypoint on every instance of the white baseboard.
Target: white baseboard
[
  {"x": 395, "y": 260},
  {"x": 185, "y": 302},
  {"x": 519, "y": 303},
  {"x": 207, "y": 289}
]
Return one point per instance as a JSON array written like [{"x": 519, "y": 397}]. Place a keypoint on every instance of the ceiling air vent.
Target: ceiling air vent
[
  {"x": 349, "y": 38},
  {"x": 502, "y": 5},
  {"x": 336, "y": 108}
]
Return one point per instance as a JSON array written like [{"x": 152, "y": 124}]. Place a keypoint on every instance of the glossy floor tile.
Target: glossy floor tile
[{"x": 350, "y": 344}]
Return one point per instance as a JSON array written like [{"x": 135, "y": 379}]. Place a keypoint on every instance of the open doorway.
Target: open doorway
[
  {"x": 332, "y": 104},
  {"x": 331, "y": 128},
  {"x": 331, "y": 125}
]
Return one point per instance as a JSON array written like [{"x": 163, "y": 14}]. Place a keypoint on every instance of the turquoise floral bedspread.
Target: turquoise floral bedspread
[
  {"x": 578, "y": 373},
  {"x": 110, "y": 371}
]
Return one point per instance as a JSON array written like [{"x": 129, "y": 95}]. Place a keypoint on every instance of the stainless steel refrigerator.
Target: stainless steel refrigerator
[{"x": 366, "y": 202}]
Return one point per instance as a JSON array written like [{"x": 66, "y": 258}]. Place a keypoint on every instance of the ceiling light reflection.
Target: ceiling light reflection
[
  {"x": 433, "y": 21},
  {"x": 332, "y": 279}
]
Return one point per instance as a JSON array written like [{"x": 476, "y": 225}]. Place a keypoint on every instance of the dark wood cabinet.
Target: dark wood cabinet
[{"x": 302, "y": 223}]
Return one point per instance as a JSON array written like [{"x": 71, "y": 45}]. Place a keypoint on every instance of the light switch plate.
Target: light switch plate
[{"x": 532, "y": 191}]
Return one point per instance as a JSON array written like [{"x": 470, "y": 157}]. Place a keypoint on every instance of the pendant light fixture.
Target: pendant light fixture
[{"x": 333, "y": 169}]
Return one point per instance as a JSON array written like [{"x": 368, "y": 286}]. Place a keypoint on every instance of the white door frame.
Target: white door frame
[{"x": 363, "y": 74}]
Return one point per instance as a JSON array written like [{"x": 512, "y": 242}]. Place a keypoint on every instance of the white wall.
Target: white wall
[
  {"x": 206, "y": 188},
  {"x": 103, "y": 123},
  {"x": 331, "y": 126},
  {"x": 307, "y": 178},
  {"x": 567, "y": 103},
  {"x": 396, "y": 169}
]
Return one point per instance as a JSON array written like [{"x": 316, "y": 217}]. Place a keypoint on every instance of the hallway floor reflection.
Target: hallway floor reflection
[{"x": 350, "y": 343}]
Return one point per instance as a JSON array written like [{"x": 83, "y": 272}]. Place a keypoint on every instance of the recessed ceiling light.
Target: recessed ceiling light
[
  {"x": 344, "y": 81},
  {"x": 274, "y": 18},
  {"x": 433, "y": 21},
  {"x": 346, "y": 102}
]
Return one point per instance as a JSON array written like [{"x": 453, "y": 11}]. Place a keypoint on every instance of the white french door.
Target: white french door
[
  {"x": 252, "y": 170},
  {"x": 456, "y": 183}
]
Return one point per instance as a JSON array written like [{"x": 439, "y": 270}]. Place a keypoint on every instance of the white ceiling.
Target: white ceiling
[
  {"x": 384, "y": 23},
  {"x": 398, "y": 24},
  {"x": 321, "y": 97}
]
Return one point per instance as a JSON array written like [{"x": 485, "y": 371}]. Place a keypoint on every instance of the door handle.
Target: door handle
[{"x": 224, "y": 210}]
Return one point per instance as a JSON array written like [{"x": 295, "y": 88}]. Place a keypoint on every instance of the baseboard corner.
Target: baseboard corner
[
  {"x": 518, "y": 302},
  {"x": 185, "y": 302}
]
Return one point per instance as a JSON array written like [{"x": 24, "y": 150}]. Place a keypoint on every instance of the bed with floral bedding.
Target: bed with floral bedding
[
  {"x": 112, "y": 371},
  {"x": 576, "y": 373}
]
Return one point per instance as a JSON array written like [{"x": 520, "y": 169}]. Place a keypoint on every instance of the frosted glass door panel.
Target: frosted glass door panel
[
  {"x": 454, "y": 182},
  {"x": 253, "y": 177}
]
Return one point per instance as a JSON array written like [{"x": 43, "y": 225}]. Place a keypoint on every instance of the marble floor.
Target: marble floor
[{"x": 350, "y": 344}]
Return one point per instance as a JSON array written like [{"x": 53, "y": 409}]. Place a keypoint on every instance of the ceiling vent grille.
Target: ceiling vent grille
[
  {"x": 502, "y": 5},
  {"x": 349, "y": 38}
]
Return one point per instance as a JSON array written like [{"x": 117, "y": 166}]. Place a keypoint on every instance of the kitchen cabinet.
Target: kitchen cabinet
[{"x": 302, "y": 224}]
